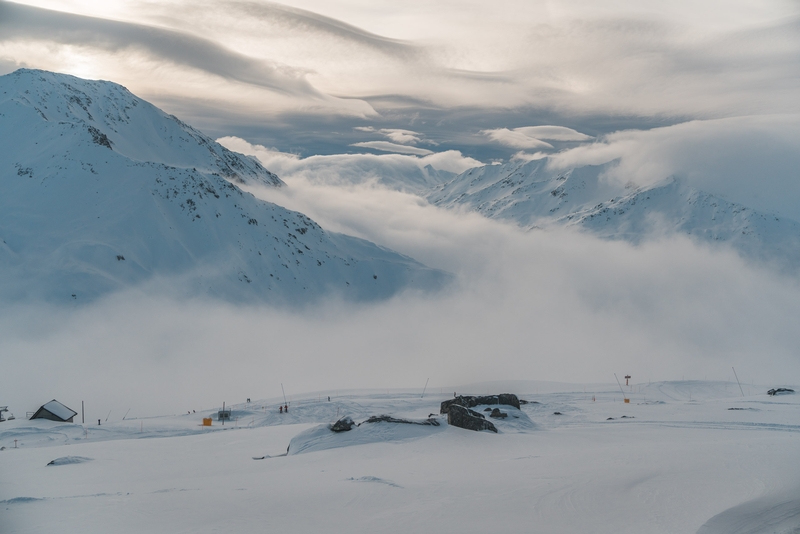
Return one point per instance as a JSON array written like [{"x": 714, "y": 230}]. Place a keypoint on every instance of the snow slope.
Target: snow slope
[
  {"x": 533, "y": 196},
  {"x": 682, "y": 457},
  {"x": 101, "y": 191}
]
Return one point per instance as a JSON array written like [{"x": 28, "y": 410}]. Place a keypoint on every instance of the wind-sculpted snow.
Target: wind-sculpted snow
[
  {"x": 533, "y": 195},
  {"x": 101, "y": 191}
]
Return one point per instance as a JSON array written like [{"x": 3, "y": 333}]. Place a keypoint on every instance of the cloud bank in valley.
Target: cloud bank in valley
[
  {"x": 750, "y": 160},
  {"x": 541, "y": 305}
]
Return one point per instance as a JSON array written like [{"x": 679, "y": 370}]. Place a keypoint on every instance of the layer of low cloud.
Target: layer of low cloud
[
  {"x": 515, "y": 139},
  {"x": 400, "y": 171},
  {"x": 396, "y": 135},
  {"x": 750, "y": 160},
  {"x": 540, "y": 305},
  {"x": 386, "y": 146},
  {"x": 553, "y": 133}
]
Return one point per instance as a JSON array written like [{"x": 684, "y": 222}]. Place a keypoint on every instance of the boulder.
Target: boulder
[
  {"x": 779, "y": 391},
  {"x": 469, "y": 401},
  {"x": 462, "y": 417},
  {"x": 343, "y": 425},
  {"x": 497, "y": 414}
]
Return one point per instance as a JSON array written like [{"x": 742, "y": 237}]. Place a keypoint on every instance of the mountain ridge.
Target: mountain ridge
[
  {"x": 531, "y": 195},
  {"x": 101, "y": 191}
]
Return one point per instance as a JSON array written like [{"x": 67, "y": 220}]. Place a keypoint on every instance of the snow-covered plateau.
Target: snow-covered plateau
[
  {"x": 533, "y": 195},
  {"x": 680, "y": 457},
  {"x": 101, "y": 191}
]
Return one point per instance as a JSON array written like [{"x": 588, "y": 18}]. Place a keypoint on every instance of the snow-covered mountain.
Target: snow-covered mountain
[
  {"x": 100, "y": 190},
  {"x": 533, "y": 196}
]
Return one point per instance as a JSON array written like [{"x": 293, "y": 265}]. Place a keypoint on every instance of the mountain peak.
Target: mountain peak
[
  {"x": 101, "y": 191},
  {"x": 110, "y": 116}
]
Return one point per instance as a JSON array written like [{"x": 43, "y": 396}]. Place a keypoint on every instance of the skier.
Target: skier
[
  {"x": 286, "y": 408},
  {"x": 281, "y": 409}
]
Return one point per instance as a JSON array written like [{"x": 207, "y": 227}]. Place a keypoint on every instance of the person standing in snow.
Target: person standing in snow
[
  {"x": 286, "y": 408},
  {"x": 281, "y": 409}
]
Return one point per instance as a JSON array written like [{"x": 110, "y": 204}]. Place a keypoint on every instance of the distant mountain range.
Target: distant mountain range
[
  {"x": 532, "y": 196},
  {"x": 101, "y": 191}
]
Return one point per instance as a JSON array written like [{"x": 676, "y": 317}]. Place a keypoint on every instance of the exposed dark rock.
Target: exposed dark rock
[
  {"x": 610, "y": 419},
  {"x": 497, "y": 414},
  {"x": 487, "y": 409},
  {"x": 626, "y": 417},
  {"x": 343, "y": 425},
  {"x": 99, "y": 137},
  {"x": 557, "y": 413},
  {"x": 779, "y": 391},
  {"x": 389, "y": 419},
  {"x": 65, "y": 460},
  {"x": 469, "y": 401},
  {"x": 462, "y": 417}
]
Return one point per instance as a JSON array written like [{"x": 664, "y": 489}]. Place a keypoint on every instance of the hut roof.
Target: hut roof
[{"x": 59, "y": 410}]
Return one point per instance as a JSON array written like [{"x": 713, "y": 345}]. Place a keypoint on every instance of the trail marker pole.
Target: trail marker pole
[
  {"x": 620, "y": 388},
  {"x": 737, "y": 381},
  {"x": 284, "y": 394},
  {"x": 426, "y": 387}
]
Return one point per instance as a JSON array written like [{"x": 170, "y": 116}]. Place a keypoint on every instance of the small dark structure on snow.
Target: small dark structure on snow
[{"x": 55, "y": 411}]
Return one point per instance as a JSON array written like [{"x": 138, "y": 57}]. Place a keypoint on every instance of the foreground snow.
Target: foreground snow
[{"x": 687, "y": 457}]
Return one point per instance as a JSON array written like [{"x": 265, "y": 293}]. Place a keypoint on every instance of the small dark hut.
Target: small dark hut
[{"x": 55, "y": 411}]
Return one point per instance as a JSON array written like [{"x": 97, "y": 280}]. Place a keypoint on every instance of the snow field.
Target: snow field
[{"x": 672, "y": 465}]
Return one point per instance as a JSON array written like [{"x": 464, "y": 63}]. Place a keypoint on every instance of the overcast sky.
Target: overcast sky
[
  {"x": 707, "y": 90},
  {"x": 301, "y": 76}
]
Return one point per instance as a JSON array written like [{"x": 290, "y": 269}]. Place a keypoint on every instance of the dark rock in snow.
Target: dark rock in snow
[
  {"x": 343, "y": 425},
  {"x": 465, "y": 418},
  {"x": 66, "y": 460},
  {"x": 389, "y": 419},
  {"x": 487, "y": 409},
  {"x": 779, "y": 391},
  {"x": 469, "y": 401},
  {"x": 497, "y": 414},
  {"x": 557, "y": 413}
]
